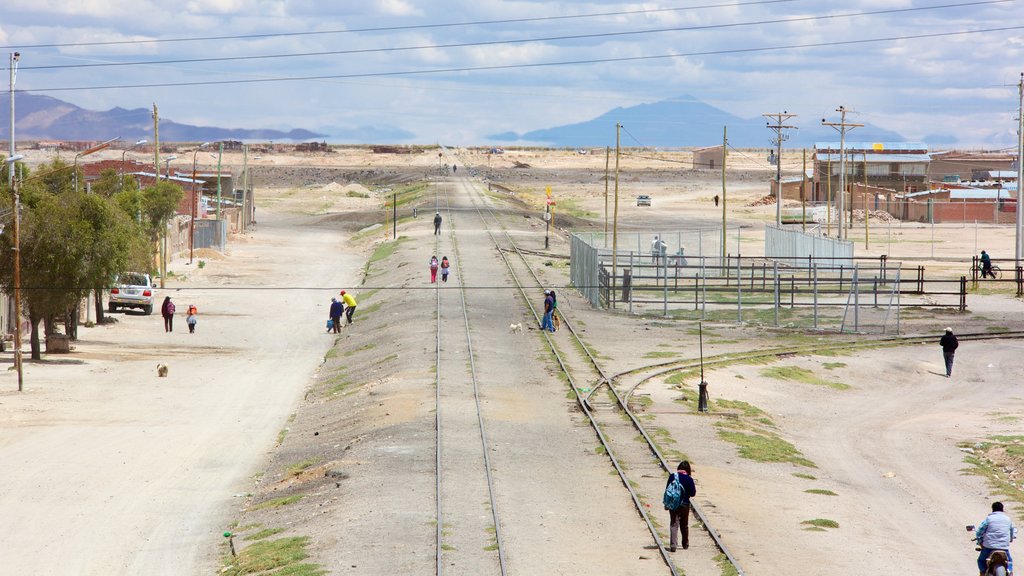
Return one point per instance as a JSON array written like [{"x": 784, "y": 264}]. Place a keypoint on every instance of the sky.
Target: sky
[{"x": 390, "y": 64}]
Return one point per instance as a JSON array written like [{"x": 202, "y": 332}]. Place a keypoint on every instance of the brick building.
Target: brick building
[{"x": 901, "y": 166}]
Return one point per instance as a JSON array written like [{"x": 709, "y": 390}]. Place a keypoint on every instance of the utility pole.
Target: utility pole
[
  {"x": 17, "y": 280},
  {"x": 615, "y": 218},
  {"x": 842, "y": 127},
  {"x": 725, "y": 142},
  {"x": 607, "y": 154},
  {"x": 220, "y": 154},
  {"x": 156, "y": 170},
  {"x": 803, "y": 195},
  {"x": 1020, "y": 171},
  {"x": 245, "y": 190},
  {"x": 780, "y": 119},
  {"x": 15, "y": 56}
]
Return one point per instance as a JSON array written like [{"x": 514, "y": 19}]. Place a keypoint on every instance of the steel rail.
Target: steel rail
[
  {"x": 638, "y": 504},
  {"x": 476, "y": 395},
  {"x": 438, "y": 570}
]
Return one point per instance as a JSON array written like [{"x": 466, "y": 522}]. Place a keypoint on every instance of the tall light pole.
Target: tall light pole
[
  {"x": 779, "y": 125},
  {"x": 92, "y": 150},
  {"x": 17, "y": 269},
  {"x": 220, "y": 154},
  {"x": 123, "y": 155},
  {"x": 842, "y": 127},
  {"x": 192, "y": 208}
]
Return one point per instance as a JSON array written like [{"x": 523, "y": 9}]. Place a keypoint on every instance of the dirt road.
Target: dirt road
[{"x": 107, "y": 469}]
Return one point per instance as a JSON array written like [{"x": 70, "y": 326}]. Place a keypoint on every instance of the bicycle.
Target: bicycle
[{"x": 975, "y": 272}]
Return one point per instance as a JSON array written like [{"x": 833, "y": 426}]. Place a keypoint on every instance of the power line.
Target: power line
[
  {"x": 531, "y": 65},
  {"x": 396, "y": 28},
  {"x": 516, "y": 40}
]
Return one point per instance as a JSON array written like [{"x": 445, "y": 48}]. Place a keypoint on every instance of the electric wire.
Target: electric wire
[
  {"x": 704, "y": 27},
  {"x": 398, "y": 28},
  {"x": 532, "y": 65}
]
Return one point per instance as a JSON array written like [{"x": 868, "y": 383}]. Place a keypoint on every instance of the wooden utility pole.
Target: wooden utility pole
[
  {"x": 867, "y": 209},
  {"x": 780, "y": 119},
  {"x": 615, "y": 218},
  {"x": 162, "y": 240},
  {"x": 842, "y": 127},
  {"x": 725, "y": 143},
  {"x": 245, "y": 185}
]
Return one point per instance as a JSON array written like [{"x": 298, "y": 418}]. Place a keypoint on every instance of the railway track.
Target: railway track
[
  {"x": 636, "y": 463},
  {"x": 460, "y": 469}
]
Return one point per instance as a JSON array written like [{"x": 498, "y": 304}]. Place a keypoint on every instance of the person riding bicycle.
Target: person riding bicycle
[{"x": 986, "y": 265}]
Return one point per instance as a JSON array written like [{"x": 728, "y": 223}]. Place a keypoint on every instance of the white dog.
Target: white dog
[
  {"x": 161, "y": 370},
  {"x": 516, "y": 328}
]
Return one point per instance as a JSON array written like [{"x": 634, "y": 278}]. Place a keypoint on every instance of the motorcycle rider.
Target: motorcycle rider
[{"x": 995, "y": 532}]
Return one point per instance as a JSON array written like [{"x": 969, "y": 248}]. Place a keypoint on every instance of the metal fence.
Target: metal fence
[{"x": 791, "y": 246}]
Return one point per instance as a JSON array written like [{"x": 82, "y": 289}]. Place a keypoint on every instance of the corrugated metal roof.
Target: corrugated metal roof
[
  {"x": 967, "y": 193},
  {"x": 172, "y": 178},
  {"x": 879, "y": 146},
  {"x": 858, "y": 158}
]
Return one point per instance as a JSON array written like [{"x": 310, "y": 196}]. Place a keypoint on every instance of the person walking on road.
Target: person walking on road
[
  {"x": 337, "y": 309},
  {"x": 556, "y": 323},
  {"x": 192, "y": 318},
  {"x": 167, "y": 311},
  {"x": 679, "y": 488},
  {"x": 549, "y": 309},
  {"x": 445, "y": 265},
  {"x": 995, "y": 533},
  {"x": 437, "y": 223},
  {"x": 350, "y": 305},
  {"x": 433, "y": 269},
  {"x": 949, "y": 345}
]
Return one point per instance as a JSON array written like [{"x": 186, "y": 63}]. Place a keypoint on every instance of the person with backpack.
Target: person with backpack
[
  {"x": 192, "y": 318},
  {"x": 445, "y": 265},
  {"x": 678, "y": 491},
  {"x": 433, "y": 269},
  {"x": 167, "y": 311}
]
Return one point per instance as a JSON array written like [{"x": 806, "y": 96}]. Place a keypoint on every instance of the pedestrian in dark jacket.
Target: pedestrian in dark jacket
[
  {"x": 549, "y": 309},
  {"x": 167, "y": 311},
  {"x": 679, "y": 519},
  {"x": 437, "y": 223},
  {"x": 336, "y": 311},
  {"x": 949, "y": 345}
]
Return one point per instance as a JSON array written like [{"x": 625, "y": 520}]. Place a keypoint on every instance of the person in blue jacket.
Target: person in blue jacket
[
  {"x": 995, "y": 532},
  {"x": 335, "y": 314},
  {"x": 680, "y": 517}
]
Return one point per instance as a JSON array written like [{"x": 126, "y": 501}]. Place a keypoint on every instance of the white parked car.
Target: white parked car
[
  {"x": 643, "y": 200},
  {"x": 132, "y": 290}
]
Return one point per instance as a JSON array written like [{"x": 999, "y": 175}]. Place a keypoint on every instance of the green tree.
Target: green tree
[
  {"x": 110, "y": 183},
  {"x": 159, "y": 204},
  {"x": 117, "y": 244}
]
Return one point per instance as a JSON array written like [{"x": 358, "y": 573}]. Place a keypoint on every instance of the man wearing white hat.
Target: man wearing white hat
[{"x": 949, "y": 345}]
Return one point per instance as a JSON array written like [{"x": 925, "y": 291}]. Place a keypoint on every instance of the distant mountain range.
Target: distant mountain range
[
  {"x": 45, "y": 118},
  {"x": 686, "y": 121}
]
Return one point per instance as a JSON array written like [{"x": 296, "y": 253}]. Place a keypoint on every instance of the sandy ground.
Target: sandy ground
[
  {"x": 108, "y": 469},
  {"x": 162, "y": 468}
]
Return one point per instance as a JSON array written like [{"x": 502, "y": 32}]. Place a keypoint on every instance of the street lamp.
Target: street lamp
[
  {"x": 193, "y": 202},
  {"x": 167, "y": 166},
  {"x": 92, "y": 150},
  {"x": 124, "y": 154},
  {"x": 17, "y": 270}
]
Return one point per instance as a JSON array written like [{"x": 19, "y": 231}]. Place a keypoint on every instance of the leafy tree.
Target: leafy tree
[
  {"x": 117, "y": 244},
  {"x": 54, "y": 244},
  {"x": 110, "y": 183},
  {"x": 159, "y": 204}
]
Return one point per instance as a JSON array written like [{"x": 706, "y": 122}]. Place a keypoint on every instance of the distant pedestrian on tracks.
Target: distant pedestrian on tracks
[
  {"x": 167, "y": 311},
  {"x": 678, "y": 491},
  {"x": 549, "y": 309},
  {"x": 350, "y": 305},
  {"x": 445, "y": 265},
  {"x": 433, "y": 269},
  {"x": 192, "y": 319},
  {"x": 337, "y": 309},
  {"x": 437, "y": 223},
  {"x": 716, "y": 200},
  {"x": 949, "y": 345}
]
